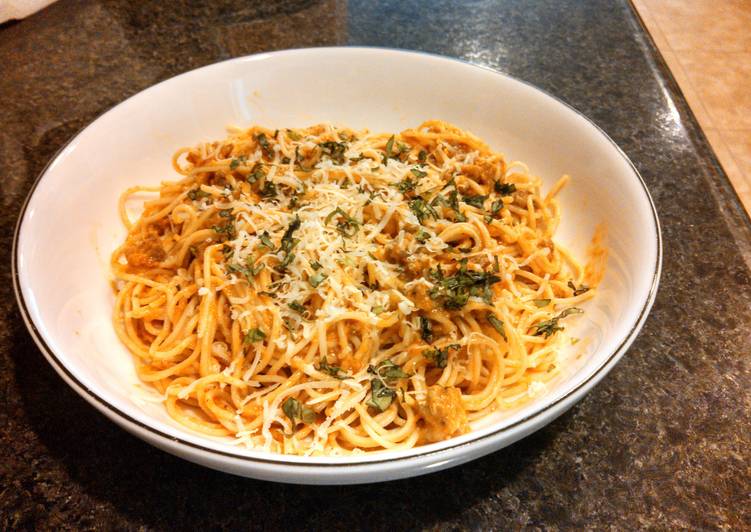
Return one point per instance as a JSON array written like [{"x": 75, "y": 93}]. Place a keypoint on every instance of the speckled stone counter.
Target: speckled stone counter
[{"x": 664, "y": 441}]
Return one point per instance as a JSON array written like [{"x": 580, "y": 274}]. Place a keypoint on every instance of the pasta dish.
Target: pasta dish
[{"x": 330, "y": 291}]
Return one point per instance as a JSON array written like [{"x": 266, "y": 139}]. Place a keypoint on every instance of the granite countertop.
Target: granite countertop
[{"x": 664, "y": 441}]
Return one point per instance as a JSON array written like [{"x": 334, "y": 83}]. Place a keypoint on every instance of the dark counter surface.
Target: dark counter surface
[{"x": 664, "y": 441}]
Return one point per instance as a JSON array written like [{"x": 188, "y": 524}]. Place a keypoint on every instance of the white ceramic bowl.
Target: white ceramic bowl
[{"x": 69, "y": 226}]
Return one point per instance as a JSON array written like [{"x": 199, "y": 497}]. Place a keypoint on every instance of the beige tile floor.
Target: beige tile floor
[{"x": 707, "y": 45}]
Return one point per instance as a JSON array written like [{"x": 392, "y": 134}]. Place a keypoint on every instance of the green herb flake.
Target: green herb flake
[
  {"x": 228, "y": 229},
  {"x": 422, "y": 156},
  {"x": 389, "y": 150},
  {"x": 419, "y": 174},
  {"x": 269, "y": 189},
  {"x": 578, "y": 291},
  {"x": 249, "y": 270},
  {"x": 378, "y": 309},
  {"x": 256, "y": 173},
  {"x": 266, "y": 148},
  {"x": 225, "y": 213},
  {"x": 316, "y": 279},
  {"x": 504, "y": 189},
  {"x": 299, "y": 308},
  {"x": 388, "y": 371},
  {"x": 426, "y": 329},
  {"x": 381, "y": 396},
  {"x": 453, "y": 203},
  {"x": 454, "y": 292},
  {"x": 549, "y": 327},
  {"x": 287, "y": 260},
  {"x": 422, "y": 209},
  {"x": 422, "y": 236},
  {"x": 253, "y": 335},
  {"x": 334, "y": 150},
  {"x": 476, "y": 200},
  {"x": 266, "y": 240},
  {"x": 298, "y": 160},
  {"x": 541, "y": 302},
  {"x": 334, "y": 371},
  {"x": 440, "y": 355},
  {"x": 497, "y": 325},
  {"x": 288, "y": 242},
  {"x": 406, "y": 185},
  {"x": 295, "y": 411},
  {"x": 197, "y": 193},
  {"x": 347, "y": 226}
]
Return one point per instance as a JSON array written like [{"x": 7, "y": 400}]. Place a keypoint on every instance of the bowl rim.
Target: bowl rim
[{"x": 124, "y": 419}]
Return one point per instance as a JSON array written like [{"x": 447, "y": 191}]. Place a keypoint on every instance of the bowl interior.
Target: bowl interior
[{"x": 70, "y": 225}]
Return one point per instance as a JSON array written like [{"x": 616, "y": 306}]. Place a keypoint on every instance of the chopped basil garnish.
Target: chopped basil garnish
[
  {"x": 406, "y": 185},
  {"x": 550, "y": 327},
  {"x": 265, "y": 146},
  {"x": 422, "y": 236},
  {"x": 422, "y": 209},
  {"x": 266, "y": 240},
  {"x": 254, "y": 335},
  {"x": 197, "y": 193},
  {"x": 388, "y": 371},
  {"x": 346, "y": 226},
  {"x": 287, "y": 241},
  {"x": 497, "y": 325},
  {"x": 316, "y": 279},
  {"x": 298, "y": 160},
  {"x": 295, "y": 411},
  {"x": 578, "y": 291},
  {"x": 287, "y": 260},
  {"x": 454, "y": 292},
  {"x": 269, "y": 190},
  {"x": 334, "y": 371},
  {"x": 389, "y": 149},
  {"x": 249, "y": 271},
  {"x": 255, "y": 174},
  {"x": 476, "y": 200},
  {"x": 426, "y": 329},
  {"x": 541, "y": 302},
  {"x": 297, "y": 307},
  {"x": 440, "y": 356},
  {"x": 334, "y": 151},
  {"x": 453, "y": 202},
  {"x": 228, "y": 229},
  {"x": 381, "y": 396},
  {"x": 504, "y": 189}
]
